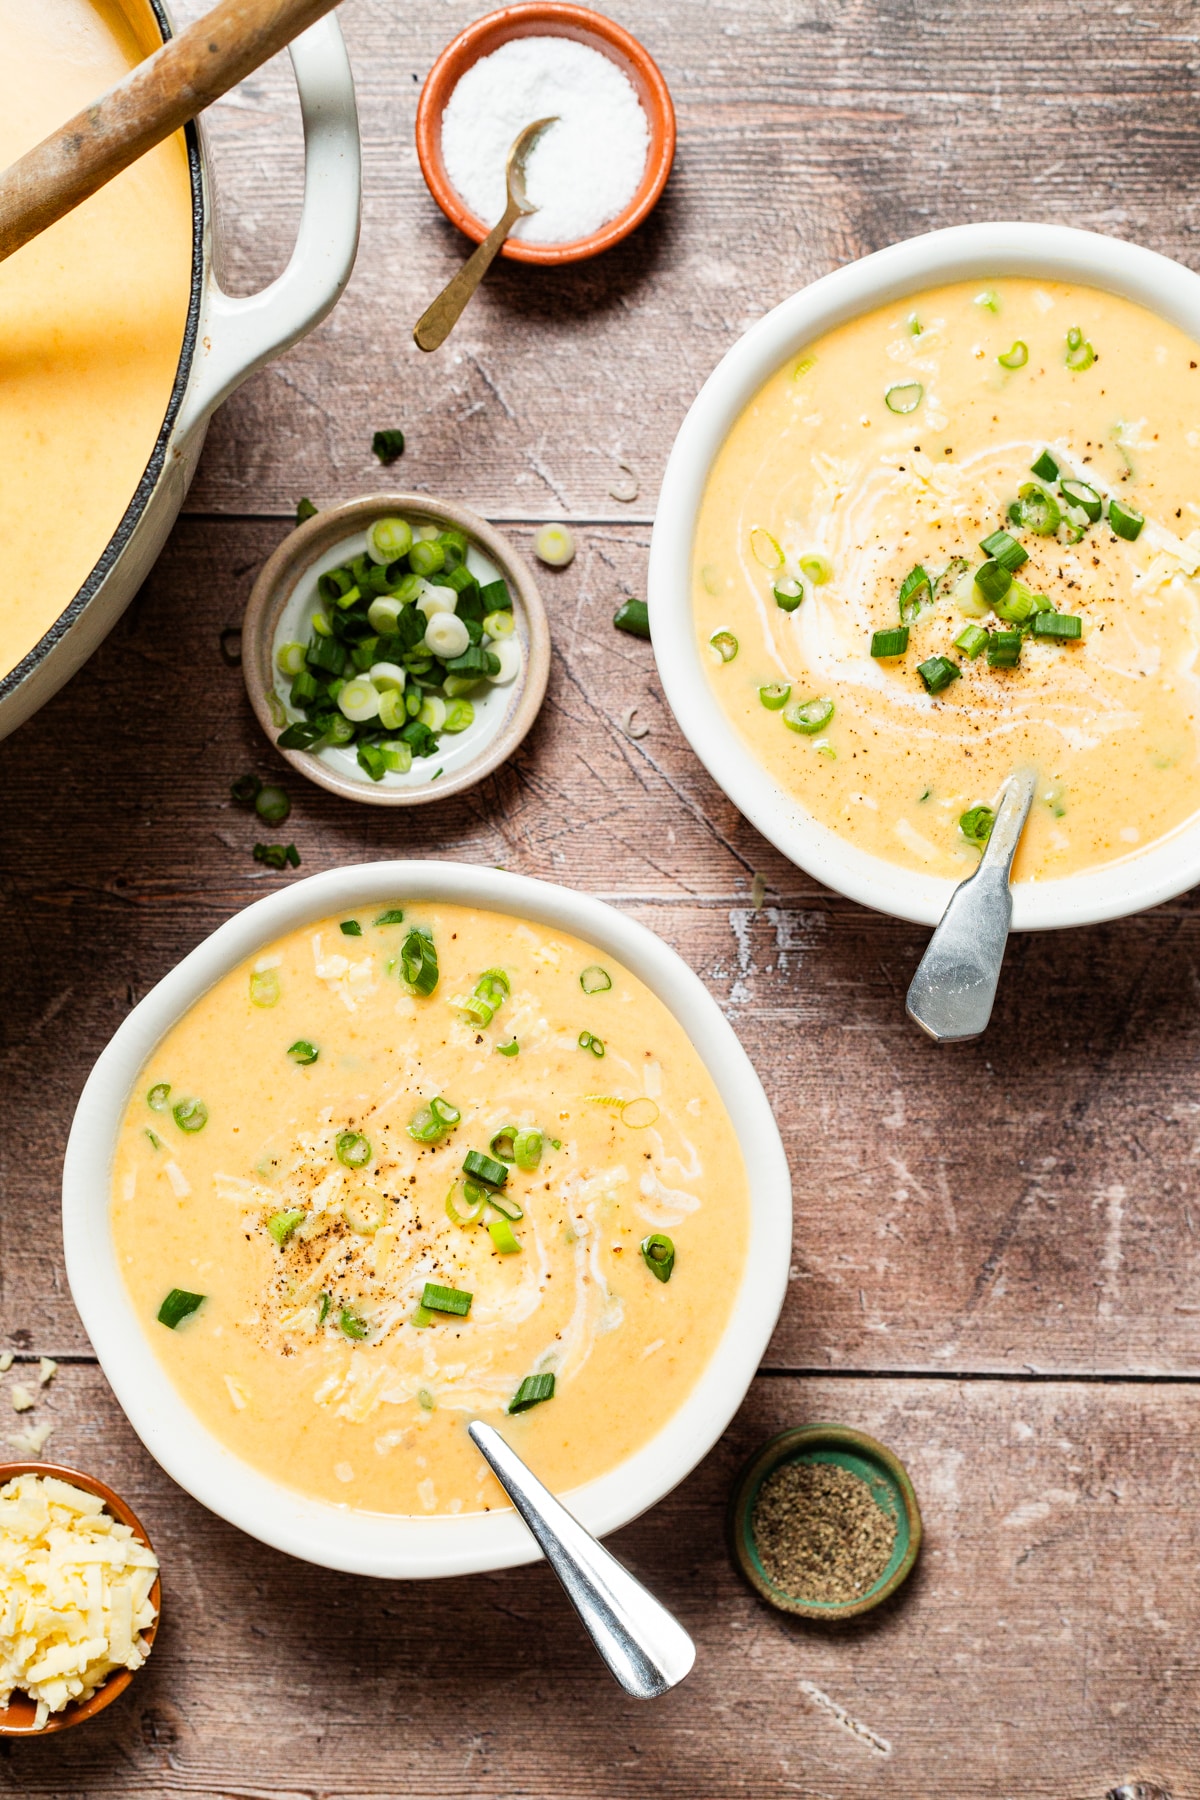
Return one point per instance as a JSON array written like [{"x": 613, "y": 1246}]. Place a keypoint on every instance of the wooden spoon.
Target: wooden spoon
[{"x": 154, "y": 100}]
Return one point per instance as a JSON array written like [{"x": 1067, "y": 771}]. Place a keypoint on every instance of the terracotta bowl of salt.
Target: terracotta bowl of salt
[{"x": 548, "y": 19}]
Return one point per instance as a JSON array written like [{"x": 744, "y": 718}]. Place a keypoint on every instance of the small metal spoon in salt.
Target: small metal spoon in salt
[
  {"x": 953, "y": 990},
  {"x": 438, "y": 320},
  {"x": 644, "y": 1646}
]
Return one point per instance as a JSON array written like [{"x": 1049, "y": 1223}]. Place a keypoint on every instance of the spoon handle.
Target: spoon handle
[
  {"x": 647, "y": 1649},
  {"x": 953, "y": 990},
  {"x": 441, "y": 315}
]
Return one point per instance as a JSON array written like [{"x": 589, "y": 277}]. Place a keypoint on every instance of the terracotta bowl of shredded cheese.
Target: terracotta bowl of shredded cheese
[
  {"x": 79, "y": 1597},
  {"x": 546, "y": 19}
]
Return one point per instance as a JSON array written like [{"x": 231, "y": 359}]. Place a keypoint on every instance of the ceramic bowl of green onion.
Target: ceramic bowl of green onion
[{"x": 395, "y": 649}]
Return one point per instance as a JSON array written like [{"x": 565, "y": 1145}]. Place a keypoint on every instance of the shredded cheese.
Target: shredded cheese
[{"x": 74, "y": 1593}]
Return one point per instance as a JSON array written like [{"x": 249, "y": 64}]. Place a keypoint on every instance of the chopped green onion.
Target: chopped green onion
[
  {"x": 155, "y": 1141},
  {"x": 765, "y": 549},
  {"x": 326, "y": 1301},
  {"x": 1080, "y": 354},
  {"x": 190, "y": 1115},
  {"x": 289, "y": 658},
  {"x": 272, "y": 805},
  {"x": 427, "y": 558},
  {"x": 639, "y": 1113},
  {"x": 388, "y": 445},
  {"x": 282, "y": 1224},
  {"x": 305, "y": 510},
  {"x": 725, "y": 645},
  {"x": 418, "y": 960},
  {"x": 1083, "y": 495},
  {"x": 353, "y": 1149},
  {"x": 511, "y": 1049},
  {"x": 1016, "y": 358},
  {"x": 993, "y": 581},
  {"x": 937, "y": 673},
  {"x": 1004, "y": 649},
  {"x": 484, "y": 1168},
  {"x": 989, "y": 300},
  {"x": 532, "y": 1391},
  {"x": 501, "y": 1143},
  {"x": 595, "y": 980},
  {"x": 809, "y": 716},
  {"x": 1045, "y": 468},
  {"x": 553, "y": 545},
  {"x": 350, "y": 928},
  {"x": 503, "y": 1236},
  {"x": 775, "y": 694},
  {"x": 389, "y": 539},
  {"x": 476, "y": 1198},
  {"x": 393, "y": 916},
  {"x": 633, "y": 616},
  {"x": 425, "y": 1400},
  {"x": 436, "y": 1298},
  {"x": 817, "y": 568},
  {"x": 914, "y": 325},
  {"x": 914, "y": 584},
  {"x": 352, "y": 1324},
  {"x": 177, "y": 1306},
  {"x": 246, "y": 789},
  {"x": 788, "y": 593},
  {"x": 474, "y": 1009},
  {"x": 527, "y": 1147},
  {"x": 658, "y": 1254},
  {"x": 499, "y": 625},
  {"x": 588, "y": 1042},
  {"x": 504, "y": 1204},
  {"x": 1003, "y": 548},
  {"x": 1063, "y": 626},
  {"x": 365, "y": 1211},
  {"x": 905, "y": 397},
  {"x": 158, "y": 1096},
  {"x": 976, "y": 824},
  {"x": 803, "y": 366},
  {"x": 303, "y": 1052},
  {"x": 1124, "y": 521},
  {"x": 972, "y": 639},
  {"x": 890, "y": 643},
  {"x": 430, "y": 1124},
  {"x": 1035, "y": 510},
  {"x": 421, "y": 1317},
  {"x": 1017, "y": 605},
  {"x": 264, "y": 987}
]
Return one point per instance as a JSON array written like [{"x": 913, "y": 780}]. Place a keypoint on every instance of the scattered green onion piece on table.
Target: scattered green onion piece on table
[
  {"x": 159, "y": 1096},
  {"x": 303, "y": 1052},
  {"x": 595, "y": 980},
  {"x": 893, "y": 642},
  {"x": 436, "y": 1298},
  {"x": 915, "y": 583},
  {"x": 818, "y": 569},
  {"x": 272, "y": 805},
  {"x": 178, "y": 1305},
  {"x": 809, "y": 716},
  {"x": 937, "y": 672},
  {"x": 418, "y": 960},
  {"x": 633, "y": 616},
  {"x": 305, "y": 510},
  {"x": 264, "y": 987},
  {"x": 1083, "y": 495},
  {"x": 245, "y": 789},
  {"x": 282, "y": 1224},
  {"x": 388, "y": 445},
  {"x": 971, "y": 639},
  {"x": 532, "y": 1391},
  {"x": 503, "y": 1236},
  {"x": 725, "y": 645},
  {"x": 510, "y": 1049},
  {"x": 554, "y": 545},
  {"x": 1124, "y": 521},
  {"x": 976, "y": 824},
  {"x": 588, "y": 1042},
  {"x": 905, "y": 397},
  {"x": 788, "y": 593},
  {"x": 350, "y": 928},
  {"x": 1004, "y": 649},
  {"x": 427, "y": 557},
  {"x": 766, "y": 549},
  {"x": 190, "y": 1115},
  {"x": 459, "y": 714},
  {"x": 1003, "y": 548},
  {"x": 1063, "y": 626},
  {"x": 993, "y": 581},
  {"x": 775, "y": 694},
  {"x": 352, "y": 1324},
  {"x": 353, "y": 1149},
  {"x": 1016, "y": 358},
  {"x": 1045, "y": 468},
  {"x": 658, "y": 1254}
]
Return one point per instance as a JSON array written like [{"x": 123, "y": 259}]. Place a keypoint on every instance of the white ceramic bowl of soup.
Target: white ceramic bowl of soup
[
  {"x": 975, "y": 253},
  {"x": 407, "y": 1545},
  {"x": 163, "y": 359}
]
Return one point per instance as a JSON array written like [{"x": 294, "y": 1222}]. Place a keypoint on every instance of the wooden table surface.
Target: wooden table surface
[{"x": 996, "y": 1250}]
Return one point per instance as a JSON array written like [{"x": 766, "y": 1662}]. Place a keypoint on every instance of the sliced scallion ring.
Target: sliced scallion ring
[
  {"x": 658, "y": 1254},
  {"x": 1016, "y": 358},
  {"x": 976, "y": 824},
  {"x": 788, "y": 593},
  {"x": 1083, "y": 496},
  {"x": 353, "y": 1149},
  {"x": 765, "y": 548},
  {"x": 816, "y": 568},
  {"x": 904, "y": 397},
  {"x": 775, "y": 694},
  {"x": 1124, "y": 521},
  {"x": 809, "y": 716},
  {"x": 595, "y": 980},
  {"x": 725, "y": 645}
]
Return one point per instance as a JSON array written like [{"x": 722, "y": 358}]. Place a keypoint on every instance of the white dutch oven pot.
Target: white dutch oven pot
[{"x": 225, "y": 341}]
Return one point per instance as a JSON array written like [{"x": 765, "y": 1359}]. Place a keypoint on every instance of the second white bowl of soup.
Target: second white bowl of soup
[
  {"x": 936, "y": 517},
  {"x": 406, "y": 1145}
]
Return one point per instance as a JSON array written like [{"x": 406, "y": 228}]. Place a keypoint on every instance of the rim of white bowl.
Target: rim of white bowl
[
  {"x": 340, "y": 1537},
  {"x": 960, "y": 253}
]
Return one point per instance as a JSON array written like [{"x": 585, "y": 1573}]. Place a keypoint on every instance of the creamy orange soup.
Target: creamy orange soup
[
  {"x": 268, "y": 1162},
  {"x": 899, "y": 442},
  {"x": 92, "y": 317}
]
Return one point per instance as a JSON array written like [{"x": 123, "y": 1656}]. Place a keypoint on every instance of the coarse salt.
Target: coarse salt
[{"x": 582, "y": 172}]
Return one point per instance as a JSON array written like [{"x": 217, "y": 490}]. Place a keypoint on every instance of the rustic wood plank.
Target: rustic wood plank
[
  {"x": 1044, "y": 1647},
  {"x": 809, "y": 133},
  {"x": 1024, "y": 1202}
]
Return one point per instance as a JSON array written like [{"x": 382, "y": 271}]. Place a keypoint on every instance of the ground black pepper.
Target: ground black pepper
[{"x": 819, "y": 1533}]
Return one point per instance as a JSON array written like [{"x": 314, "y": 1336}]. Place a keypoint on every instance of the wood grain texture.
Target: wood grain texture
[
  {"x": 810, "y": 131},
  {"x": 1027, "y": 1202},
  {"x": 1044, "y": 1646}
]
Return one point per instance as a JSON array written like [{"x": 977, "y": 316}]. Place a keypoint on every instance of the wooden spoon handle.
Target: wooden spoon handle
[{"x": 155, "y": 99}]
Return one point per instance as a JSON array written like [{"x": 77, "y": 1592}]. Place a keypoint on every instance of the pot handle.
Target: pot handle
[{"x": 237, "y": 336}]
